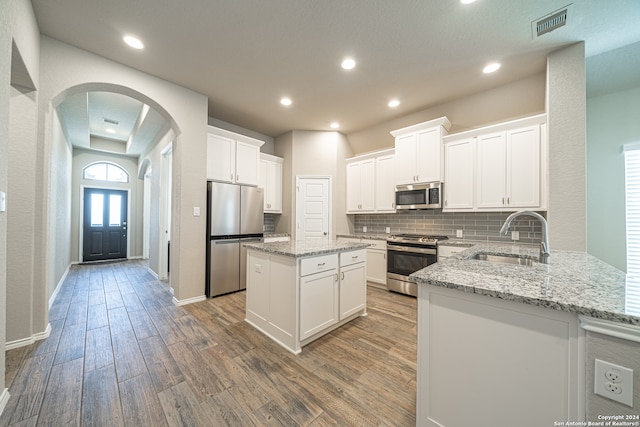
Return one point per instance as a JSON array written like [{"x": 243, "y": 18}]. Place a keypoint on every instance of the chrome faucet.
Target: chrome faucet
[{"x": 544, "y": 245}]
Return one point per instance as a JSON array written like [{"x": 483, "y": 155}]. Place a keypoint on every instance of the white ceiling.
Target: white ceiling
[{"x": 246, "y": 54}]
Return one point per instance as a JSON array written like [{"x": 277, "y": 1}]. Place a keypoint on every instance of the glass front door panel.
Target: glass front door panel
[
  {"x": 115, "y": 210},
  {"x": 97, "y": 205}
]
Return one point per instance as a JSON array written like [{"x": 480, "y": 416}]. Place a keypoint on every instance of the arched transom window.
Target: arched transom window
[{"x": 104, "y": 171}]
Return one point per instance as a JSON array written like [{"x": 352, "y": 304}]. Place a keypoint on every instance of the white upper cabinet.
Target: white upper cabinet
[
  {"x": 460, "y": 158},
  {"x": 270, "y": 178},
  {"x": 370, "y": 183},
  {"x": 232, "y": 157},
  {"x": 360, "y": 182},
  {"x": 419, "y": 153},
  {"x": 508, "y": 168}
]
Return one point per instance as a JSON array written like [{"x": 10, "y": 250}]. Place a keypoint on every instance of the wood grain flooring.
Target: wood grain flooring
[{"x": 121, "y": 353}]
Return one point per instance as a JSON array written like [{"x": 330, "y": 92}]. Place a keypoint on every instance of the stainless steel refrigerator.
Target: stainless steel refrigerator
[{"x": 234, "y": 217}]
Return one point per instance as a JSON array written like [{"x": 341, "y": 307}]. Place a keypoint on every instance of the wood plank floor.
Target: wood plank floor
[{"x": 121, "y": 353}]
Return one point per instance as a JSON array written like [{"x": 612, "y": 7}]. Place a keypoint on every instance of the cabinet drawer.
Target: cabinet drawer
[
  {"x": 376, "y": 244},
  {"x": 318, "y": 264},
  {"x": 353, "y": 257}
]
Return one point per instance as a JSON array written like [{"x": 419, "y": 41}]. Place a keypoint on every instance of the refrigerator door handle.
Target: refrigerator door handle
[{"x": 225, "y": 241}]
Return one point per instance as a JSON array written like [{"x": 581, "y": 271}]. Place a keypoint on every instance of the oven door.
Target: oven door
[{"x": 404, "y": 260}]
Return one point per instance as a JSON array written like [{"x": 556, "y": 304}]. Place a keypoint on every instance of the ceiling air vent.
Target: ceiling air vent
[
  {"x": 551, "y": 22},
  {"x": 111, "y": 121}
]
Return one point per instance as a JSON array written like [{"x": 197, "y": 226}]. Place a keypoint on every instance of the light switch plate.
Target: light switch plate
[
  {"x": 3, "y": 201},
  {"x": 196, "y": 211}
]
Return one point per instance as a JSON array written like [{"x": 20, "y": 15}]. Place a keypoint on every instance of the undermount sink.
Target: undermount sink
[{"x": 514, "y": 260}]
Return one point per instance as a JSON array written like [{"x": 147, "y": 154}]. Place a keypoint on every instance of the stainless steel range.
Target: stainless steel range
[{"x": 406, "y": 254}]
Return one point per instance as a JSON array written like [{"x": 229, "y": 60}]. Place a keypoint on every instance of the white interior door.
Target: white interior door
[{"x": 313, "y": 198}]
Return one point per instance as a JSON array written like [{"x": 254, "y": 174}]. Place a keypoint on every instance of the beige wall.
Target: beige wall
[
  {"x": 82, "y": 158},
  {"x": 566, "y": 124},
  {"x": 319, "y": 154},
  {"x": 18, "y": 34},
  {"x": 517, "y": 99}
]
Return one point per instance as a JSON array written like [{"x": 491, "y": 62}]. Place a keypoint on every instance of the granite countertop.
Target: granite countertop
[
  {"x": 276, "y": 235},
  {"x": 369, "y": 236},
  {"x": 302, "y": 249},
  {"x": 574, "y": 282}
]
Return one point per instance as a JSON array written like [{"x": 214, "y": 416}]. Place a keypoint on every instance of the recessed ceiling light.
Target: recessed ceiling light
[
  {"x": 393, "y": 103},
  {"x": 285, "y": 101},
  {"x": 348, "y": 64},
  {"x": 491, "y": 68},
  {"x": 109, "y": 130},
  {"x": 334, "y": 125},
  {"x": 133, "y": 42},
  {"x": 467, "y": 1}
]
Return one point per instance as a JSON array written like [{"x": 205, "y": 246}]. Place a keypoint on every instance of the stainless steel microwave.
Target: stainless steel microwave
[{"x": 419, "y": 196}]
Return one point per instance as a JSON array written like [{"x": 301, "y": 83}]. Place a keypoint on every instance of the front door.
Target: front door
[
  {"x": 104, "y": 225},
  {"x": 312, "y": 209}
]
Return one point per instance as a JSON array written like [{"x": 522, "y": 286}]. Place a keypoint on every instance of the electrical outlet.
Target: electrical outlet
[
  {"x": 387, "y": 230},
  {"x": 515, "y": 235},
  {"x": 458, "y": 233},
  {"x": 613, "y": 382},
  {"x": 364, "y": 229}
]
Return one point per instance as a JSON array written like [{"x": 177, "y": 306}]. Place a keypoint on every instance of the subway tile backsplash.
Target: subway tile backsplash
[
  {"x": 474, "y": 225},
  {"x": 269, "y": 222}
]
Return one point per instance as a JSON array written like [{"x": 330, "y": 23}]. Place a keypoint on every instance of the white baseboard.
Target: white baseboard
[
  {"x": 134, "y": 257},
  {"x": 153, "y": 273},
  {"x": 54, "y": 295},
  {"x": 189, "y": 300},
  {"x": 29, "y": 340},
  {"x": 4, "y": 398}
]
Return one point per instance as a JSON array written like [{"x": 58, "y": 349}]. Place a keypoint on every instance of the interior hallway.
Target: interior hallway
[{"x": 121, "y": 353}]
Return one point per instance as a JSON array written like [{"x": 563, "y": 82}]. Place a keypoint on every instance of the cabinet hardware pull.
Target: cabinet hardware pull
[
  {"x": 503, "y": 200},
  {"x": 336, "y": 277},
  {"x": 343, "y": 276},
  {"x": 508, "y": 200},
  {"x": 321, "y": 264},
  {"x": 354, "y": 257}
]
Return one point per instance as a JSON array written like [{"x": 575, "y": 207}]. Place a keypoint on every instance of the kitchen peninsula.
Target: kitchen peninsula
[
  {"x": 299, "y": 291},
  {"x": 497, "y": 340}
]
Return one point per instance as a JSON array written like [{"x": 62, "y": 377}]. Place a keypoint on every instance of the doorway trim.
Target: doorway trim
[
  {"x": 166, "y": 192},
  {"x": 329, "y": 178},
  {"x": 81, "y": 221}
]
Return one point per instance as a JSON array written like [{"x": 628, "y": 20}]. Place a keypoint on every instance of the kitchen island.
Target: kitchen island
[
  {"x": 299, "y": 291},
  {"x": 503, "y": 344}
]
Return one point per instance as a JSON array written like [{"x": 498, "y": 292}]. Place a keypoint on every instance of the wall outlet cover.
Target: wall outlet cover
[
  {"x": 387, "y": 230},
  {"x": 614, "y": 382},
  {"x": 458, "y": 233},
  {"x": 515, "y": 235}
]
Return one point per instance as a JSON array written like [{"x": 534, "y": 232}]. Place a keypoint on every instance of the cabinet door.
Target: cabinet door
[
  {"x": 429, "y": 155},
  {"x": 318, "y": 302},
  {"x": 353, "y": 187},
  {"x": 367, "y": 183},
  {"x": 275, "y": 182},
  {"x": 377, "y": 266},
  {"x": 459, "y": 174},
  {"x": 405, "y": 159},
  {"x": 247, "y": 158},
  {"x": 385, "y": 197},
  {"x": 263, "y": 182},
  {"x": 353, "y": 289},
  {"x": 491, "y": 172},
  {"x": 220, "y": 158},
  {"x": 523, "y": 167}
]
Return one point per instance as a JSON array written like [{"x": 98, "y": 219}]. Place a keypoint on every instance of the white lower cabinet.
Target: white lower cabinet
[
  {"x": 297, "y": 300},
  {"x": 376, "y": 259}
]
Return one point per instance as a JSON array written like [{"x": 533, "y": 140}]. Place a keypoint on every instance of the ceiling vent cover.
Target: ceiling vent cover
[
  {"x": 551, "y": 22},
  {"x": 111, "y": 121}
]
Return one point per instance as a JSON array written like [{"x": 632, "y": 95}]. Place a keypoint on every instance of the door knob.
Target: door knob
[{"x": 325, "y": 233}]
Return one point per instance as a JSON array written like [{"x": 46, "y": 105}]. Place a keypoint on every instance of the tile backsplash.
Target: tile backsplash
[
  {"x": 269, "y": 223},
  {"x": 482, "y": 226}
]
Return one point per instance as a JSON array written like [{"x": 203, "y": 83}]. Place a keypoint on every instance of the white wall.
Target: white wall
[
  {"x": 67, "y": 67},
  {"x": 82, "y": 158},
  {"x": 612, "y": 121},
  {"x": 566, "y": 123}
]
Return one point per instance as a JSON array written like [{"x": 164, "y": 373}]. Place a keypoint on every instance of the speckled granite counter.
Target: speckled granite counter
[
  {"x": 272, "y": 235},
  {"x": 364, "y": 236},
  {"x": 305, "y": 249},
  {"x": 573, "y": 281}
]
